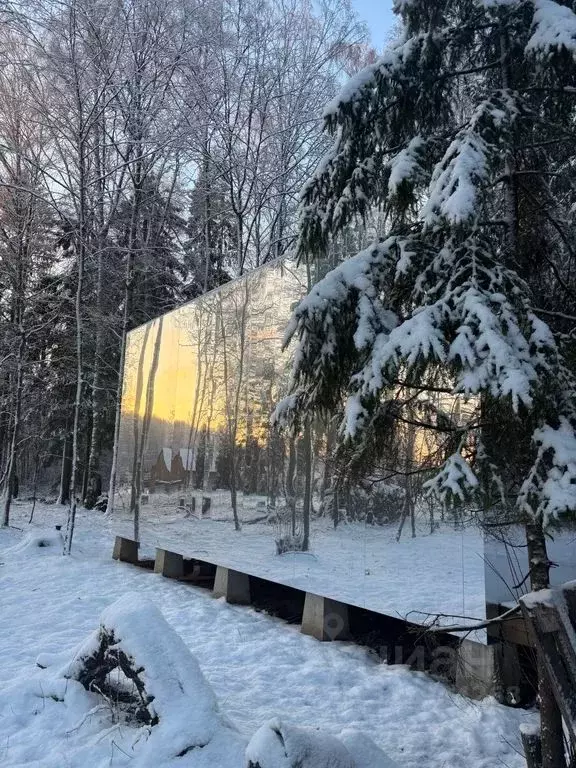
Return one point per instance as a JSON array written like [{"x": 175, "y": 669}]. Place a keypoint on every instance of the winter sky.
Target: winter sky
[{"x": 379, "y": 17}]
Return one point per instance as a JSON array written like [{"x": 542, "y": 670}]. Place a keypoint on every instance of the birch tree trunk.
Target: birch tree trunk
[
  {"x": 71, "y": 520},
  {"x": 128, "y": 294},
  {"x": 11, "y": 469},
  {"x": 80, "y": 250},
  {"x": 94, "y": 479}
]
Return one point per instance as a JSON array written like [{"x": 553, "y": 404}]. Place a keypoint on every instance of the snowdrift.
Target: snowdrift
[
  {"x": 134, "y": 677},
  {"x": 279, "y": 745},
  {"x": 41, "y": 542}
]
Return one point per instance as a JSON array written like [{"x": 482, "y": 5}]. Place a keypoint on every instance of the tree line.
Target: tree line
[{"x": 150, "y": 150}]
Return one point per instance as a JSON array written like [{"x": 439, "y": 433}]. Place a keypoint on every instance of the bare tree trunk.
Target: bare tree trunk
[
  {"x": 71, "y": 521},
  {"x": 117, "y": 415},
  {"x": 405, "y": 508},
  {"x": 65, "y": 472},
  {"x": 87, "y": 431},
  {"x": 34, "y": 487},
  {"x": 307, "y": 502},
  {"x": 207, "y": 212},
  {"x": 412, "y": 516},
  {"x": 232, "y": 416},
  {"x": 408, "y": 507},
  {"x": 81, "y": 140},
  {"x": 204, "y": 373},
  {"x": 290, "y": 473},
  {"x": 11, "y": 471},
  {"x": 331, "y": 434},
  {"x": 94, "y": 480},
  {"x": 128, "y": 294}
]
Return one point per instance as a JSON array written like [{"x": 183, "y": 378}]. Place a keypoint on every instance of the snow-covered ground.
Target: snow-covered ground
[
  {"x": 258, "y": 667},
  {"x": 357, "y": 563}
]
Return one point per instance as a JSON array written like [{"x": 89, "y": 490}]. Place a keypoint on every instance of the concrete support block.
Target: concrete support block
[
  {"x": 232, "y": 585},
  {"x": 125, "y": 550},
  {"x": 169, "y": 564},
  {"x": 477, "y": 669},
  {"x": 325, "y": 619}
]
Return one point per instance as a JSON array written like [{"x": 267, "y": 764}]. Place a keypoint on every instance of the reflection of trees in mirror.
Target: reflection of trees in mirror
[
  {"x": 200, "y": 329},
  {"x": 385, "y": 481},
  {"x": 137, "y": 457},
  {"x": 210, "y": 451},
  {"x": 233, "y": 329},
  {"x": 211, "y": 428},
  {"x": 139, "y": 447}
]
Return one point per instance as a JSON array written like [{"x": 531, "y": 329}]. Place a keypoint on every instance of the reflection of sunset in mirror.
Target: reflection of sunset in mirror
[
  {"x": 139, "y": 353},
  {"x": 220, "y": 366},
  {"x": 239, "y": 329}
]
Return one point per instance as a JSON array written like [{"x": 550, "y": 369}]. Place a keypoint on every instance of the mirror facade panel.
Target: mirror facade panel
[
  {"x": 207, "y": 476},
  {"x": 506, "y": 561}
]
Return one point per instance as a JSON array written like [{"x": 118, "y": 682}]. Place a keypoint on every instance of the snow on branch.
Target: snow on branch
[
  {"x": 343, "y": 315},
  {"x": 394, "y": 58},
  {"x": 454, "y": 482},
  {"x": 550, "y": 488},
  {"x": 457, "y": 179},
  {"x": 492, "y": 348},
  {"x": 493, "y": 342},
  {"x": 554, "y": 27},
  {"x": 500, "y": 3},
  {"x": 358, "y": 274},
  {"x": 470, "y": 314},
  {"x": 341, "y": 187},
  {"x": 454, "y": 188},
  {"x": 406, "y": 165}
]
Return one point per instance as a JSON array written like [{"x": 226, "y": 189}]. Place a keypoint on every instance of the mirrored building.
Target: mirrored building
[{"x": 203, "y": 473}]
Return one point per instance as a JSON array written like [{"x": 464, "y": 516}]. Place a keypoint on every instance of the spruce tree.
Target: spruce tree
[{"x": 463, "y": 133}]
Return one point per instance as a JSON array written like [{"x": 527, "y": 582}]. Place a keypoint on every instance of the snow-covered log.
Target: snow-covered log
[{"x": 139, "y": 664}]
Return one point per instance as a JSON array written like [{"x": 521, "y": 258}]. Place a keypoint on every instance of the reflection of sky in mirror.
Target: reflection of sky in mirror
[{"x": 239, "y": 327}]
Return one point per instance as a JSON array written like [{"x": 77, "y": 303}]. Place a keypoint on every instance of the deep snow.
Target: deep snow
[{"x": 258, "y": 667}]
